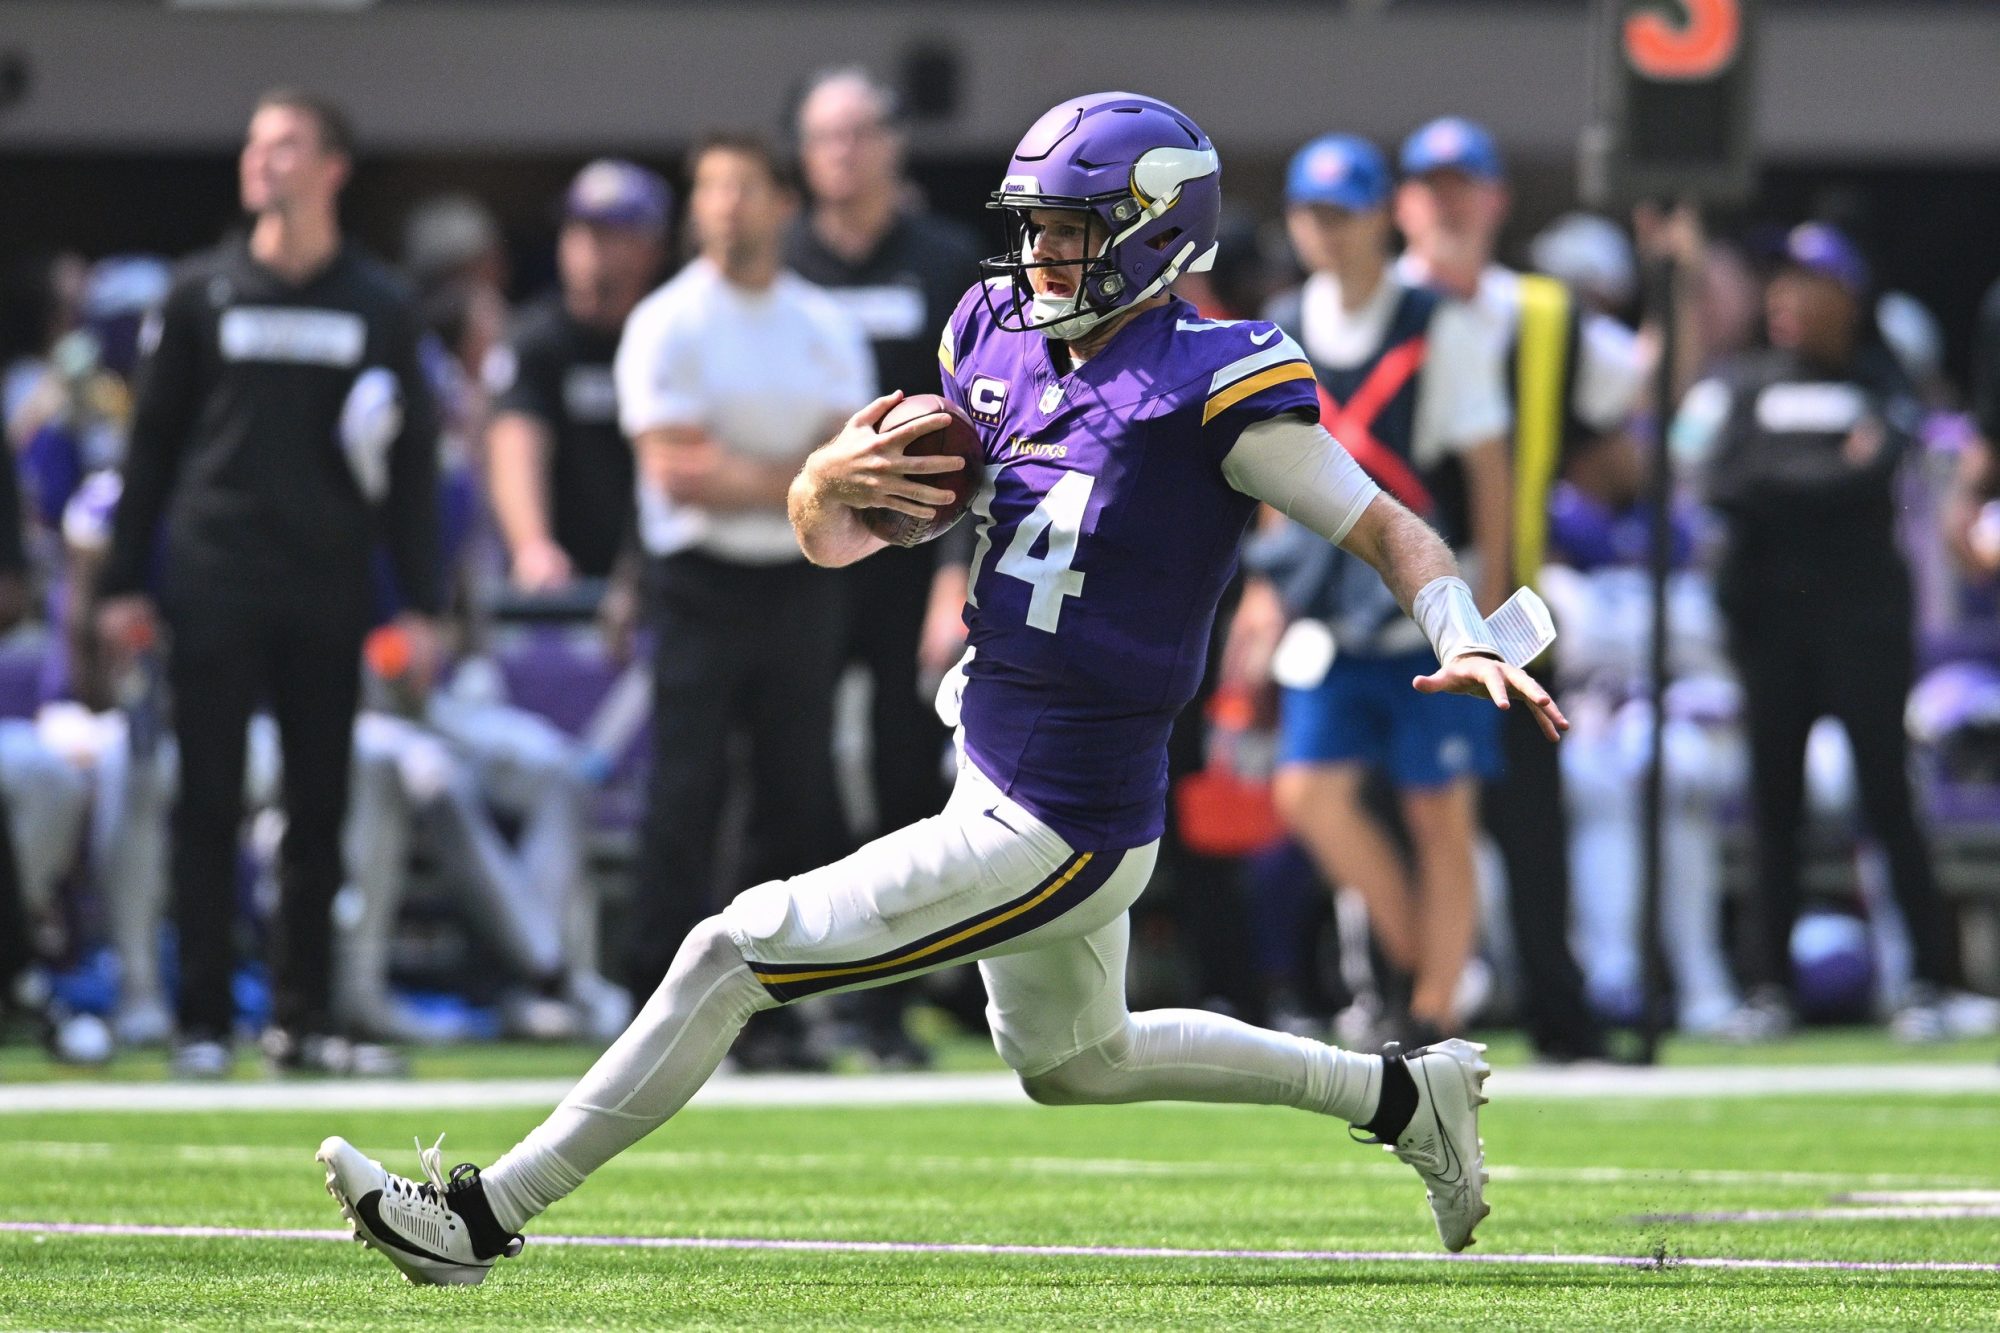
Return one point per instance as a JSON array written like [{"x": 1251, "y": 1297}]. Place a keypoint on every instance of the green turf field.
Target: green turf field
[{"x": 1571, "y": 1178}]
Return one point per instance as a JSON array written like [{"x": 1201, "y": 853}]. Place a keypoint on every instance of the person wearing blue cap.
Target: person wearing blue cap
[
  {"x": 1411, "y": 385},
  {"x": 558, "y": 468},
  {"x": 1801, "y": 443},
  {"x": 1574, "y": 378}
]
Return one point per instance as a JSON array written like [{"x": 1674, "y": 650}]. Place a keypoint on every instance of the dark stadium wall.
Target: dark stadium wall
[
  {"x": 1867, "y": 78},
  {"x": 1930, "y": 229},
  {"x": 118, "y": 117}
]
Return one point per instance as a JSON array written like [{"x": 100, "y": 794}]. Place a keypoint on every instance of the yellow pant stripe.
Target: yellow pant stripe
[{"x": 936, "y": 946}]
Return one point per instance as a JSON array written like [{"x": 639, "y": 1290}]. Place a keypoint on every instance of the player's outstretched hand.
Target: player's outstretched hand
[
  {"x": 1478, "y": 674},
  {"x": 866, "y": 469}
]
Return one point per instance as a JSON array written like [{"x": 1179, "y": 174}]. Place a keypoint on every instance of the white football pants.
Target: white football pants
[{"x": 985, "y": 880}]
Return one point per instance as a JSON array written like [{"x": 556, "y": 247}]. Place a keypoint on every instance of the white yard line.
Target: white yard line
[
  {"x": 781, "y": 1245},
  {"x": 777, "y": 1090},
  {"x": 1002, "y": 1165},
  {"x": 1872, "y": 1214},
  {"x": 1962, "y": 1198}
]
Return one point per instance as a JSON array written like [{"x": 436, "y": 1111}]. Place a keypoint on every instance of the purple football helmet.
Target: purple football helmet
[{"x": 1149, "y": 179}]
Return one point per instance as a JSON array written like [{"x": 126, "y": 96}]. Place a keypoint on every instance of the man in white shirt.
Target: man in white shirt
[
  {"x": 1410, "y": 383},
  {"x": 727, "y": 377},
  {"x": 1575, "y": 379}
]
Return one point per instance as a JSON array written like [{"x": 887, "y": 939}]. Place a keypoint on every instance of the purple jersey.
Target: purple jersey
[{"x": 1106, "y": 534}]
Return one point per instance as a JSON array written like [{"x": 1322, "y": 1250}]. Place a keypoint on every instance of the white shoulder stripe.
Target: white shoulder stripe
[{"x": 1284, "y": 349}]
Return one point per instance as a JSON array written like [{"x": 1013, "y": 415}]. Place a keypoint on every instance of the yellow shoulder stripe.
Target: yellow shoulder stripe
[
  {"x": 945, "y": 356},
  {"x": 1243, "y": 388}
]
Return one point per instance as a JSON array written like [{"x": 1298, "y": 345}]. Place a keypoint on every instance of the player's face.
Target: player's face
[
  {"x": 605, "y": 270},
  {"x": 284, "y": 165},
  {"x": 1809, "y": 313},
  {"x": 1449, "y": 215},
  {"x": 1328, "y": 238},
  {"x": 847, "y": 148},
  {"x": 1062, "y": 237},
  {"x": 738, "y": 211}
]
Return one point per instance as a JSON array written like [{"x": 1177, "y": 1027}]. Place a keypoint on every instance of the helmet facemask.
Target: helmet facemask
[{"x": 1059, "y": 318}]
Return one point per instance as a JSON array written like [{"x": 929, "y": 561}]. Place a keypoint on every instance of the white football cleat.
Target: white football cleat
[
  {"x": 414, "y": 1226},
  {"x": 1442, "y": 1139}
]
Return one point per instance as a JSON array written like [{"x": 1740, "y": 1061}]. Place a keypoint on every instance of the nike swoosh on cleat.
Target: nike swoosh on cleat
[{"x": 371, "y": 1215}]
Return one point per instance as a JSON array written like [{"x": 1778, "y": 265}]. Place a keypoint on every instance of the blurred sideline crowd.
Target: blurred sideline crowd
[{"x": 389, "y": 664}]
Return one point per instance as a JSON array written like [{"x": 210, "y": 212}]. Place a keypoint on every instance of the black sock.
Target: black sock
[
  {"x": 467, "y": 1198},
  {"x": 1398, "y": 1103}
]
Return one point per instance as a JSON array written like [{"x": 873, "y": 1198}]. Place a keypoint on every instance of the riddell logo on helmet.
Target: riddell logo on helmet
[{"x": 1020, "y": 185}]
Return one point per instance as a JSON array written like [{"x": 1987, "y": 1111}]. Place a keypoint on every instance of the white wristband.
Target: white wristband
[{"x": 1450, "y": 619}]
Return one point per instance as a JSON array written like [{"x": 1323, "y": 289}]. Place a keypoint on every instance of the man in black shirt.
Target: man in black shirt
[
  {"x": 1969, "y": 518},
  {"x": 559, "y": 469},
  {"x": 282, "y": 434},
  {"x": 898, "y": 271},
  {"x": 1806, "y": 438}
]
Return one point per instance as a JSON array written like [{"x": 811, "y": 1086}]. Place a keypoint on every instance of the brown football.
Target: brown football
[{"x": 957, "y": 436}]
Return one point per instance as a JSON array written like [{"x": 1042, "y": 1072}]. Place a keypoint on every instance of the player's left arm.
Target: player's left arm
[
  {"x": 1293, "y": 465},
  {"x": 1419, "y": 569}
]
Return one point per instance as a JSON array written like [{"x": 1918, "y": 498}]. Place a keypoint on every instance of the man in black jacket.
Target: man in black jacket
[
  {"x": 1803, "y": 441},
  {"x": 282, "y": 434}
]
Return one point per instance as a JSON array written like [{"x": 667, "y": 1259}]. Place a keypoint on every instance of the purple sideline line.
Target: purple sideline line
[{"x": 1047, "y": 1251}]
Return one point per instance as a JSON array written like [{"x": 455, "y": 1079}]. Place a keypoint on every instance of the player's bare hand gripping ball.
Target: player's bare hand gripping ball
[
  {"x": 1480, "y": 675},
  {"x": 864, "y": 468}
]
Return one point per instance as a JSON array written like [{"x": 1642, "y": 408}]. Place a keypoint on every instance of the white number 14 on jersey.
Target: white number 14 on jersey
[{"x": 1060, "y": 515}]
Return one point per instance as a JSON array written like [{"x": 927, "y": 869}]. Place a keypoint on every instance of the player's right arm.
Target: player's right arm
[
  {"x": 861, "y": 468},
  {"x": 520, "y": 440},
  {"x": 517, "y": 451}
]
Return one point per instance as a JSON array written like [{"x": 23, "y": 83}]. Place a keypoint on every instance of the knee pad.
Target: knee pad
[
  {"x": 1092, "y": 1076},
  {"x": 705, "y": 960}
]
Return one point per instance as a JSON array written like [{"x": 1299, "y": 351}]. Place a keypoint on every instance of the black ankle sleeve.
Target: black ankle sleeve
[
  {"x": 1399, "y": 1100},
  {"x": 467, "y": 1198}
]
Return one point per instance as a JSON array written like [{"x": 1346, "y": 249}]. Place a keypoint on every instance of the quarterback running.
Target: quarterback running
[{"x": 1127, "y": 444}]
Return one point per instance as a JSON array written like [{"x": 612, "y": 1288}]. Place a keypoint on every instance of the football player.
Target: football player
[{"x": 1127, "y": 444}]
